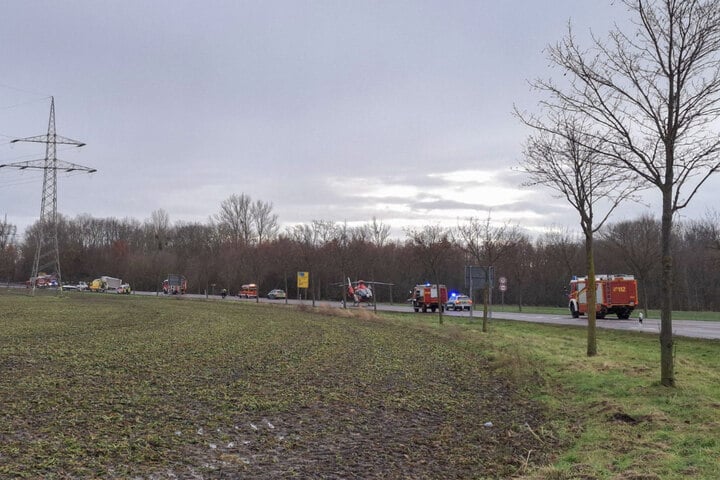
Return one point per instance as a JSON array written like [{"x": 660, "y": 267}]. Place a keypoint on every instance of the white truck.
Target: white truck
[
  {"x": 111, "y": 283},
  {"x": 105, "y": 284}
]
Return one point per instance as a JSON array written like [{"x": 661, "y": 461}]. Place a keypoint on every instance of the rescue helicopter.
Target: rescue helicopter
[{"x": 361, "y": 291}]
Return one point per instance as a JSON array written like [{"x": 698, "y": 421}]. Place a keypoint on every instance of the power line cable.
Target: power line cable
[
  {"x": 24, "y": 90},
  {"x": 29, "y": 102}
]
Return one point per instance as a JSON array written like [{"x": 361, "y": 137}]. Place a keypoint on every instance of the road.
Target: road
[{"x": 683, "y": 328}]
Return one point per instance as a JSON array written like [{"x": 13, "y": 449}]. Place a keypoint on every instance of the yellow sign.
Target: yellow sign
[{"x": 303, "y": 280}]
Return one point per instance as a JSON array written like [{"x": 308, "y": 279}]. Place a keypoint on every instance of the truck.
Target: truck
[
  {"x": 175, "y": 284},
  {"x": 616, "y": 293},
  {"x": 249, "y": 290},
  {"x": 42, "y": 280},
  {"x": 429, "y": 297},
  {"x": 104, "y": 284}
]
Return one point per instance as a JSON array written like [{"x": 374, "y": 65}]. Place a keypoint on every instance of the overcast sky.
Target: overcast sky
[{"x": 331, "y": 110}]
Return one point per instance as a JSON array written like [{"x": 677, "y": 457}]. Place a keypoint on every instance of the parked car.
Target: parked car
[
  {"x": 73, "y": 286},
  {"x": 458, "y": 302},
  {"x": 276, "y": 294}
]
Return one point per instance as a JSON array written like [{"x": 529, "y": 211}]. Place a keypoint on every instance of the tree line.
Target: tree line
[{"x": 244, "y": 243}]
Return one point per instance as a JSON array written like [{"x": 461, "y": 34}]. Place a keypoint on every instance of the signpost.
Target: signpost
[
  {"x": 502, "y": 286},
  {"x": 477, "y": 277},
  {"x": 303, "y": 281}
]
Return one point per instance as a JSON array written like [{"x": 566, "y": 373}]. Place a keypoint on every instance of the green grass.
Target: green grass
[
  {"x": 105, "y": 386},
  {"x": 620, "y": 421},
  {"x": 679, "y": 314}
]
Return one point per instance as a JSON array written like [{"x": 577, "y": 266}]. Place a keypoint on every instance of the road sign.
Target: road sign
[
  {"x": 303, "y": 279},
  {"x": 502, "y": 281},
  {"x": 475, "y": 277},
  {"x": 502, "y": 287}
]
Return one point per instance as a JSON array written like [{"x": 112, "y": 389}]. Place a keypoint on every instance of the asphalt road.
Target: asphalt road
[{"x": 682, "y": 328}]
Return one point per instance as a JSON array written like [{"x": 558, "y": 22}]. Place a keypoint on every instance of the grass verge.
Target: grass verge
[
  {"x": 620, "y": 423},
  {"x": 679, "y": 314}
]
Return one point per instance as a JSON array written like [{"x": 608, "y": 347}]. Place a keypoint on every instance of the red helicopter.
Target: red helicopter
[{"x": 361, "y": 291}]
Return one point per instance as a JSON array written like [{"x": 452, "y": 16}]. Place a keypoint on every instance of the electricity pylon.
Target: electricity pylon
[{"x": 47, "y": 255}]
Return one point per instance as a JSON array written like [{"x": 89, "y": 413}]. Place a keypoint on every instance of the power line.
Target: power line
[
  {"x": 48, "y": 250},
  {"x": 22, "y": 104},
  {"x": 19, "y": 182},
  {"x": 24, "y": 90}
]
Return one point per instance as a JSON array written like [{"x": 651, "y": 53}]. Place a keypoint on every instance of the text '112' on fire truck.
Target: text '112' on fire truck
[{"x": 614, "y": 294}]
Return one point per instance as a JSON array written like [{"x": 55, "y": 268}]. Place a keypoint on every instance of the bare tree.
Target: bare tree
[
  {"x": 309, "y": 239},
  {"x": 265, "y": 223},
  {"x": 486, "y": 243},
  {"x": 8, "y": 252},
  {"x": 159, "y": 225},
  {"x": 234, "y": 220},
  {"x": 696, "y": 273},
  {"x": 521, "y": 266},
  {"x": 324, "y": 231},
  {"x": 377, "y": 231},
  {"x": 340, "y": 248},
  {"x": 161, "y": 260},
  {"x": 712, "y": 218},
  {"x": 560, "y": 249},
  {"x": 562, "y": 157},
  {"x": 196, "y": 244},
  {"x": 7, "y": 232},
  {"x": 653, "y": 94},
  {"x": 432, "y": 248},
  {"x": 637, "y": 243}
]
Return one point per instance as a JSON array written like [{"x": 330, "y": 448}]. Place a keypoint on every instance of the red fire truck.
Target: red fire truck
[
  {"x": 42, "y": 281},
  {"x": 175, "y": 284},
  {"x": 616, "y": 294},
  {"x": 429, "y": 297},
  {"x": 249, "y": 290}
]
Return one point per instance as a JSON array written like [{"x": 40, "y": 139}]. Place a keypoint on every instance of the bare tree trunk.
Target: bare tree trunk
[
  {"x": 667, "y": 375},
  {"x": 591, "y": 297},
  {"x": 486, "y": 298},
  {"x": 441, "y": 305},
  {"x": 312, "y": 288}
]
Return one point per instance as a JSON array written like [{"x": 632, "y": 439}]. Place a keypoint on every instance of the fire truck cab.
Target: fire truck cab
[{"x": 614, "y": 294}]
